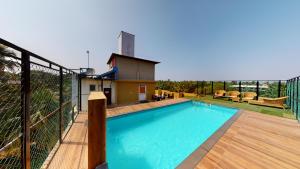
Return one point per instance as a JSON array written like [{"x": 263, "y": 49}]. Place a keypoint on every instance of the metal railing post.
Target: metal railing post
[
  {"x": 279, "y": 88},
  {"x": 197, "y": 88},
  {"x": 202, "y": 88},
  {"x": 25, "y": 109},
  {"x": 292, "y": 96},
  {"x": 212, "y": 87},
  {"x": 297, "y": 101},
  {"x": 73, "y": 114},
  {"x": 79, "y": 82},
  {"x": 257, "y": 89},
  {"x": 102, "y": 85},
  {"x": 60, "y": 120},
  {"x": 288, "y": 92},
  {"x": 78, "y": 93}
]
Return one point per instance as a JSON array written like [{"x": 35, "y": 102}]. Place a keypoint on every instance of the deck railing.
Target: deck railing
[
  {"x": 263, "y": 88},
  {"x": 293, "y": 93},
  {"x": 38, "y": 102}
]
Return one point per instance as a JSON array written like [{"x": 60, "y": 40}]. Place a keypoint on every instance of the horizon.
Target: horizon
[{"x": 230, "y": 40}]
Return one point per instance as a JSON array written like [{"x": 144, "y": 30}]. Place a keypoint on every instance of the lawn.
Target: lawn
[{"x": 261, "y": 109}]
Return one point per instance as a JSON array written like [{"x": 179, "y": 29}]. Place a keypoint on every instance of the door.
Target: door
[
  {"x": 107, "y": 93},
  {"x": 142, "y": 92}
]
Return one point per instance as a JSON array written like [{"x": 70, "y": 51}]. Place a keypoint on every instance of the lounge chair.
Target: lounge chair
[
  {"x": 270, "y": 102},
  {"x": 233, "y": 95},
  {"x": 246, "y": 96},
  {"x": 219, "y": 93}
]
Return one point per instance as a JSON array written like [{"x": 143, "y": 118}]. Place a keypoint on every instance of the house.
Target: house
[{"x": 129, "y": 80}]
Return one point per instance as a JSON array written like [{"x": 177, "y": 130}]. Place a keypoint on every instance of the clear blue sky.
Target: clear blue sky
[{"x": 194, "y": 40}]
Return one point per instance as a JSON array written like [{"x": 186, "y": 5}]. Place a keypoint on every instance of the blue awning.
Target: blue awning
[{"x": 109, "y": 75}]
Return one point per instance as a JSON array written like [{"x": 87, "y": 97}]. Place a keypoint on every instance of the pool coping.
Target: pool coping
[
  {"x": 196, "y": 156},
  {"x": 146, "y": 109}
]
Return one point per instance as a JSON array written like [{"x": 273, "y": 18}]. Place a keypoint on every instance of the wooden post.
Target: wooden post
[{"x": 96, "y": 129}]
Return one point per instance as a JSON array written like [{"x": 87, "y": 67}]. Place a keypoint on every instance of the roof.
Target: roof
[
  {"x": 129, "y": 57},
  {"x": 108, "y": 74}
]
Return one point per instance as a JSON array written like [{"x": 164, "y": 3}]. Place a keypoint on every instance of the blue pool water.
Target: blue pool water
[{"x": 163, "y": 137}]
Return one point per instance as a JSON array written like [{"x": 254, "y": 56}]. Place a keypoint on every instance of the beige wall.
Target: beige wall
[
  {"x": 127, "y": 91},
  {"x": 130, "y": 69},
  {"x": 85, "y": 90}
]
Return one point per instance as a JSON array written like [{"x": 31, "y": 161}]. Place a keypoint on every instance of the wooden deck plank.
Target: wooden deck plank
[
  {"x": 254, "y": 140},
  {"x": 69, "y": 154}
]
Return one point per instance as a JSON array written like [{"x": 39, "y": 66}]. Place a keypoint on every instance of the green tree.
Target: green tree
[{"x": 4, "y": 62}]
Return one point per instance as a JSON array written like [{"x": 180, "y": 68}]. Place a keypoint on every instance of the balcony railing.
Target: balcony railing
[
  {"x": 39, "y": 100},
  {"x": 293, "y": 94},
  {"x": 263, "y": 88}
]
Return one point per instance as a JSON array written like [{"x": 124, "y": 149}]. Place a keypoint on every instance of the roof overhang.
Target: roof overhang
[{"x": 113, "y": 55}]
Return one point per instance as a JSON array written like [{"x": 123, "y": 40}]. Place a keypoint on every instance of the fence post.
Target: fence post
[
  {"x": 287, "y": 92},
  {"x": 96, "y": 129},
  {"x": 79, "y": 88},
  {"x": 102, "y": 88},
  {"x": 202, "y": 88},
  {"x": 73, "y": 113},
  {"x": 279, "y": 88},
  {"x": 297, "y": 101},
  {"x": 197, "y": 88},
  {"x": 25, "y": 109},
  {"x": 60, "y": 120},
  {"x": 292, "y": 96},
  {"x": 257, "y": 89},
  {"x": 212, "y": 87}
]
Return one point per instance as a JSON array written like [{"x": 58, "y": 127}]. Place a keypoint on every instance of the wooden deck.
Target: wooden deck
[
  {"x": 72, "y": 153},
  {"x": 253, "y": 141},
  {"x": 256, "y": 141}
]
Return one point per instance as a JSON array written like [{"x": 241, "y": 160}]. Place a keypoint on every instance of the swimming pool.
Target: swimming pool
[{"x": 162, "y": 137}]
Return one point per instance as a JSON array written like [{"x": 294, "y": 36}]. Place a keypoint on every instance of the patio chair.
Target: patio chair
[
  {"x": 219, "y": 93},
  {"x": 270, "y": 102},
  {"x": 233, "y": 95},
  {"x": 246, "y": 96}
]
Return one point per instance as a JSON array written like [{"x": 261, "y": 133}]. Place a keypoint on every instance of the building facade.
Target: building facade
[
  {"x": 135, "y": 79},
  {"x": 129, "y": 80}
]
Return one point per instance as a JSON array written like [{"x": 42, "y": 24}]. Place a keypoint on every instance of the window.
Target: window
[{"x": 92, "y": 88}]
